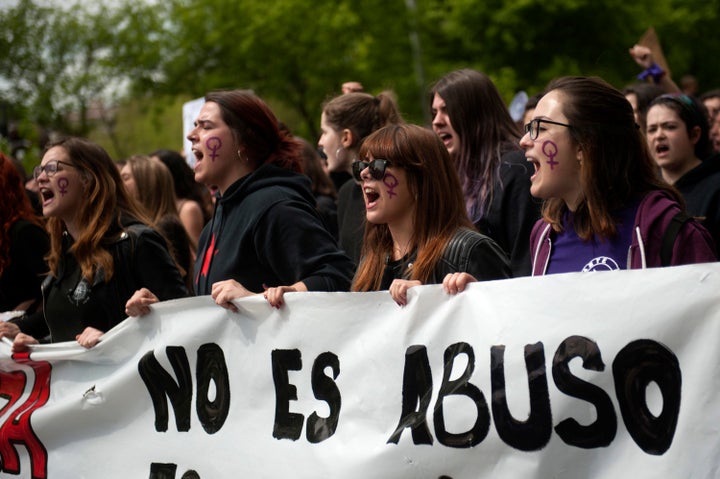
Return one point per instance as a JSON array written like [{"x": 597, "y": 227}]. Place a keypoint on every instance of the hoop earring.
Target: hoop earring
[{"x": 240, "y": 155}]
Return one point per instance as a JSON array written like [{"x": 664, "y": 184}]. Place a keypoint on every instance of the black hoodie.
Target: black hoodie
[{"x": 266, "y": 232}]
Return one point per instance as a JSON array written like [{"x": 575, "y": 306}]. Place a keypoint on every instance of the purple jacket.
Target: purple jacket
[{"x": 692, "y": 245}]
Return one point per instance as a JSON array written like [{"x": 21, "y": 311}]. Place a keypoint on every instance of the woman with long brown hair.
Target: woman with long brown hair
[
  {"x": 474, "y": 123},
  {"x": 417, "y": 229},
  {"x": 101, "y": 249},
  {"x": 605, "y": 205}
]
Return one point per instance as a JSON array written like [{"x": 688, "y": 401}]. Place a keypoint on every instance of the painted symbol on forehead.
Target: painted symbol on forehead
[
  {"x": 550, "y": 150},
  {"x": 214, "y": 144},
  {"x": 391, "y": 183},
  {"x": 63, "y": 184}
]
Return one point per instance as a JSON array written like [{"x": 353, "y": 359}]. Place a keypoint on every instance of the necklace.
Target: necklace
[
  {"x": 399, "y": 252},
  {"x": 405, "y": 260}
]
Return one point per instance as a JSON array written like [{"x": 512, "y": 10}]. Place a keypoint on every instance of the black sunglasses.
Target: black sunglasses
[{"x": 377, "y": 168}]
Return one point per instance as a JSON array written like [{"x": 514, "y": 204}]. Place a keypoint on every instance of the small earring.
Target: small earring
[{"x": 240, "y": 155}]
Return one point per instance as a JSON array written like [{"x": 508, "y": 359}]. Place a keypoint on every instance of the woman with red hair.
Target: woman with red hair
[
  {"x": 23, "y": 243},
  {"x": 266, "y": 237}
]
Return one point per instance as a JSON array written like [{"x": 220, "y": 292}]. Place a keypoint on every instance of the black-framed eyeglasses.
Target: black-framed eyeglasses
[
  {"x": 50, "y": 168},
  {"x": 533, "y": 128},
  {"x": 377, "y": 168}
]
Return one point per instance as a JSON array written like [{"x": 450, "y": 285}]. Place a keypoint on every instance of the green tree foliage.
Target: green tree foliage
[
  {"x": 63, "y": 61},
  {"x": 689, "y": 35},
  {"x": 64, "y": 66},
  {"x": 29, "y": 74},
  {"x": 526, "y": 43},
  {"x": 294, "y": 52},
  {"x": 142, "y": 126}
]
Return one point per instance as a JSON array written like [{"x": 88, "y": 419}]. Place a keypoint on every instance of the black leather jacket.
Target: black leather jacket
[
  {"x": 467, "y": 252},
  {"x": 474, "y": 253},
  {"x": 71, "y": 303}
]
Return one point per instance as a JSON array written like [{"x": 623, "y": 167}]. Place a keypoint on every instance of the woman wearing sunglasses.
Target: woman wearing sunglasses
[
  {"x": 101, "y": 249},
  {"x": 345, "y": 122},
  {"x": 605, "y": 206},
  {"x": 417, "y": 230}
]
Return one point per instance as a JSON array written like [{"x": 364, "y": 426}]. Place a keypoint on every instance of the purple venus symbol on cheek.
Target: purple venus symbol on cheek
[
  {"x": 390, "y": 182},
  {"x": 214, "y": 144},
  {"x": 550, "y": 150},
  {"x": 63, "y": 185}
]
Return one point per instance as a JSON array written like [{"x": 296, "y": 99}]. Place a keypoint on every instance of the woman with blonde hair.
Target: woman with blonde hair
[
  {"x": 193, "y": 200},
  {"x": 150, "y": 182}
]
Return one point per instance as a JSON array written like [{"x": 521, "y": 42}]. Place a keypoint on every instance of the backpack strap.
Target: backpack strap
[{"x": 670, "y": 236}]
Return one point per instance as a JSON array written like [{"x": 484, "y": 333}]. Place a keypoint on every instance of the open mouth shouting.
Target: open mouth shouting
[
  {"x": 198, "y": 155},
  {"x": 445, "y": 137},
  {"x": 536, "y": 165},
  {"x": 47, "y": 195},
  {"x": 661, "y": 150},
  {"x": 371, "y": 197}
]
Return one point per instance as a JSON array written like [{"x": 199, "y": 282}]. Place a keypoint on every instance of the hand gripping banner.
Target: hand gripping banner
[{"x": 592, "y": 375}]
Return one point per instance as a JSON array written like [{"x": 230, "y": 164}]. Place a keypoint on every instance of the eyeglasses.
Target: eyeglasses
[
  {"x": 533, "y": 128},
  {"x": 50, "y": 168},
  {"x": 377, "y": 168}
]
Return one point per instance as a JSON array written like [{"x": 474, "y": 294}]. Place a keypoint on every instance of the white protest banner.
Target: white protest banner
[{"x": 593, "y": 375}]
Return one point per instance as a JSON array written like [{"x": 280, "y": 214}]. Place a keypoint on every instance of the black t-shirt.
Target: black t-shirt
[{"x": 397, "y": 269}]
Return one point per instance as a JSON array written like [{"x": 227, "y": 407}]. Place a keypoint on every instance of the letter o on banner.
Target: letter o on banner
[{"x": 637, "y": 365}]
